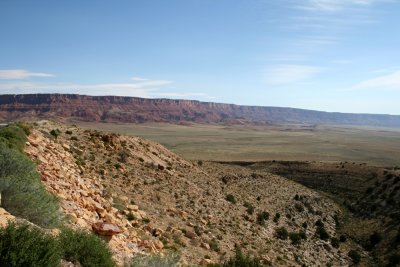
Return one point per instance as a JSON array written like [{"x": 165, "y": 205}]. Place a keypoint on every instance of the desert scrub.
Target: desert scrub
[
  {"x": 277, "y": 217},
  {"x": 297, "y": 237},
  {"x": 249, "y": 208},
  {"x": 281, "y": 233},
  {"x": 322, "y": 233},
  {"x": 156, "y": 260},
  {"x": 22, "y": 192},
  {"x": 21, "y": 245},
  {"x": 240, "y": 260},
  {"x": 13, "y": 137},
  {"x": 355, "y": 256},
  {"x": 85, "y": 248},
  {"x": 230, "y": 198},
  {"x": 262, "y": 217}
]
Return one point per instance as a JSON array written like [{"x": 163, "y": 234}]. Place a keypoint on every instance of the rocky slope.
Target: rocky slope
[
  {"x": 132, "y": 109},
  {"x": 162, "y": 203}
]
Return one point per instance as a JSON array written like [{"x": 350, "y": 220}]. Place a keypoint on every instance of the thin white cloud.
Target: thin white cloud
[
  {"x": 19, "y": 74},
  {"x": 146, "y": 89},
  {"x": 389, "y": 81},
  {"x": 139, "y": 79},
  {"x": 174, "y": 94},
  {"x": 288, "y": 74},
  {"x": 334, "y": 5}
]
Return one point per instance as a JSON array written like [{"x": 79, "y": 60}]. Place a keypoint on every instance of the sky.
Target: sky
[{"x": 328, "y": 55}]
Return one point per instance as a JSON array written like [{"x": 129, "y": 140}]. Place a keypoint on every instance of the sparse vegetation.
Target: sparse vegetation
[
  {"x": 85, "y": 248},
  {"x": 230, "y": 198},
  {"x": 155, "y": 260},
  {"x": 240, "y": 260},
  {"x": 21, "y": 245},
  {"x": 277, "y": 217},
  {"x": 249, "y": 208},
  {"x": 21, "y": 190},
  {"x": 262, "y": 217},
  {"x": 281, "y": 233},
  {"x": 55, "y": 133},
  {"x": 355, "y": 256},
  {"x": 322, "y": 233}
]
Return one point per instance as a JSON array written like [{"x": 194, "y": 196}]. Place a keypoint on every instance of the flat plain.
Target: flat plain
[{"x": 376, "y": 146}]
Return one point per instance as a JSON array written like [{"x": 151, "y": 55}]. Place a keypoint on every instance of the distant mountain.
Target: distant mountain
[{"x": 139, "y": 110}]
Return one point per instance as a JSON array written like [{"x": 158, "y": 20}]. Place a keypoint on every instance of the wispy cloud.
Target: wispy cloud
[
  {"x": 139, "y": 79},
  {"x": 144, "y": 88},
  {"x": 19, "y": 74},
  {"x": 288, "y": 74},
  {"x": 334, "y": 5},
  {"x": 389, "y": 81}
]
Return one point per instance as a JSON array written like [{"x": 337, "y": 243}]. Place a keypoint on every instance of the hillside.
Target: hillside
[
  {"x": 138, "y": 110},
  {"x": 163, "y": 203}
]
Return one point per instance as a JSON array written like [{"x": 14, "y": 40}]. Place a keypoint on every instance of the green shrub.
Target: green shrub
[
  {"x": 335, "y": 242},
  {"x": 214, "y": 245},
  {"x": 85, "y": 248},
  {"x": 295, "y": 238},
  {"x": 281, "y": 233},
  {"x": 355, "y": 256},
  {"x": 55, "y": 133},
  {"x": 322, "y": 233},
  {"x": 262, "y": 217},
  {"x": 241, "y": 260},
  {"x": 21, "y": 245},
  {"x": 156, "y": 260},
  {"x": 22, "y": 192},
  {"x": 230, "y": 198},
  {"x": 299, "y": 207},
  {"x": 249, "y": 208},
  {"x": 130, "y": 216},
  {"x": 24, "y": 126},
  {"x": 277, "y": 217},
  {"x": 13, "y": 137}
]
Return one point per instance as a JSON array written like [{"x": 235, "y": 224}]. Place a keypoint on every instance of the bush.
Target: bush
[
  {"x": 335, "y": 242},
  {"x": 13, "y": 137},
  {"x": 299, "y": 207},
  {"x": 262, "y": 217},
  {"x": 214, "y": 245},
  {"x": 230, "y": 198},
  {"x": 322, "y": 233},
  {"x": 295, "y": 238},
  {"x": 27, "y": 246},
  {"x": 249, "y": 208},
  {"x": 281, "y": 233},
  {"x": 55, "y": 133},
  {"x": 85, "y": 248},
  {"x": 22, "y": 192},
  {"x": 355, "y": 256},
  {"x": 277, "y": 217},
  {"x": 240, "y": 260},
  {"x": 375, "y": 238},
  {"x": 155, "y": 260}
]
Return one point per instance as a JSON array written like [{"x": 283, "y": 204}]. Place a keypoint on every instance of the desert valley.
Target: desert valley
[{"x": 187, "y": 192}]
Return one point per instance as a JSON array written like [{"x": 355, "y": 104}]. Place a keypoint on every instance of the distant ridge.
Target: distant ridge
[{"x": 139, "y": 110}]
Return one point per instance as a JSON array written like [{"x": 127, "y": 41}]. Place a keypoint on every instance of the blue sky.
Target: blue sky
[{"x": 330, "y": 55}]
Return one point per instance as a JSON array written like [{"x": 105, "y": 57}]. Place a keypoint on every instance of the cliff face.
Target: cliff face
[{"x": 138, "y": 110}]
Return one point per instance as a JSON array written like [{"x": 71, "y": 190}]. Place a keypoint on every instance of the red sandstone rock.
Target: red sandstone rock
[{"x": 106, "y": 229}]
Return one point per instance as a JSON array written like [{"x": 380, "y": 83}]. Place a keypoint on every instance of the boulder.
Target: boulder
[{"x": 106, "y": 229}]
